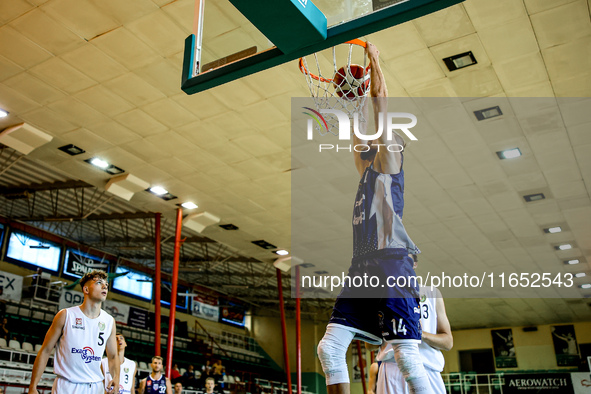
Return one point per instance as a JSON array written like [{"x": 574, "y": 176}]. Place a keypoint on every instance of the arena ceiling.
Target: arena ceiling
[{"x": 105, "y": 76}]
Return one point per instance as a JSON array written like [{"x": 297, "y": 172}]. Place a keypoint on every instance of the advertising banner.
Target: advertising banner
[
  {"x": 556, "y": 383},
  {"x": 504, "y": 348},
  {"x": 138, "y": 318},
  {"x": 565, "y": 345},
  {"x": 11, "y": 286},
  {"x": 118, "y": 310},
  {"x": 205, "y": 307},
  {"x": 70, "y": 298}
]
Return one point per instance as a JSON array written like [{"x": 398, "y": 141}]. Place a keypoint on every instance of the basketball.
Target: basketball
[{"x": 351, "y": 82}]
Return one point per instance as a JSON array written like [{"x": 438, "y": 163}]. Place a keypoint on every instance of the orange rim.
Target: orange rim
[{"x": 304, "y": 70}]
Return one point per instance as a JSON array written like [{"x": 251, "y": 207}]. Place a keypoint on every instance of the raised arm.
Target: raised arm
[
  {"x": 168, "y": 386},
  {"x": 134, "y": 375},
  {"x": 53, "y": 335},
  {"x": 385, "y": 161},
  {"x": 373, "y": 378},
  {"x": 502, "y": 337},
  {"x": 114, "y": 363},
  {"x": 560, "y": 336},
  {"x": 443, "y": 339}
]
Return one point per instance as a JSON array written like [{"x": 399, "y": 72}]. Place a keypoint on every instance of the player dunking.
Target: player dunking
[
  {"x": 127, "y": 371},
  {"x": 380, "y": 248},
  {"x": 156, "y": 382},
  {"x": 81, "y": 333}
]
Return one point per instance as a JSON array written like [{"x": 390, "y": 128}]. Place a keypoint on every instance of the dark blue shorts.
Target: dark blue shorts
[{"x": 388, "y": 312}]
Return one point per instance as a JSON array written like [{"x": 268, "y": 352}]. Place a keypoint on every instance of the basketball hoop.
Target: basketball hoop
[{"x": 342, "y": 88}]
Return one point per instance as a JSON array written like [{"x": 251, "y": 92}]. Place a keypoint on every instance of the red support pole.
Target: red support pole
[
  {"x": 298, "y": 332},
  {"x": 158, "y": 284},
  {"x": 283, "y": 329},
  {"x": 361, "y": 368},
  {"x": 174, "y": 290}
]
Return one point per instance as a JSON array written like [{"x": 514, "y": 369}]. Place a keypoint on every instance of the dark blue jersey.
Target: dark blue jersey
[
  {"x": 155, "y": 386},
  {"x": 377, "y": 215}
]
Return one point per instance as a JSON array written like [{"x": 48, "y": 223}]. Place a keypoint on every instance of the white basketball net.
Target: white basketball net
[{"x": 342, "y": 88}]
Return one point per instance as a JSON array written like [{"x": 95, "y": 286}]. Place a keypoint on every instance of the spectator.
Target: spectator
[
  {"x": 206, "y": 370},
  {"x": 175, "y": 375},
  {"x": 4, "y": 332},
  {"x": 210, "y": 386},
  {"x": 217, "y": 370},
  {"x": 189, "y": 377},
  {"x": 178, "y": 388}
]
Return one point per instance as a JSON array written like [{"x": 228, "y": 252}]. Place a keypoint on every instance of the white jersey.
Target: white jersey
[
  {"x": 390, "y": 379},
  {"x": 126, "y": 375},
  {"x": 82, "y": 345},
  {"x": 432, "y": 358}
]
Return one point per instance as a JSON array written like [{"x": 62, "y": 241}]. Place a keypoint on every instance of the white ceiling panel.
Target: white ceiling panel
[
  {"x": 562, "y": 24},
  {"x": 19, "y": 49},
  {"x": 445, "y": 25},
  {"x": 81, "y": 17},
  {"x": 46, "y": 32}
]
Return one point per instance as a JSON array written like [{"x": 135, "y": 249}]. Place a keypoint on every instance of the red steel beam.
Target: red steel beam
[
  {"x": 158, "y": 285},
  {"x": 298, "y": 332},
  {"x": 283, "y": 329},
  {"x": 174, "y": 290}
]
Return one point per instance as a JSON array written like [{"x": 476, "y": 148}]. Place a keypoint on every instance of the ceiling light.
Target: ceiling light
[
  {"x": 553, "y": 230},
  {"x": 264, "y": 244},
  {"x": 534, "y": 197},
  {"x": 572, "y": 262},
  {"x": 100, "y": 163},
  {"x": 586, "y": 286},
  {"x": 460, "y": 61},
  {"x": 509, "y": 153},
  {"x": 3, "y": 113},
  {"x": 580, "y": 275},
  {"x": 487, "y": 113},
  {"x": 161, "y": 192},
  {"x": 564, "y": 247},
  {"x": 189, "y": 205},
  {"x": 158, "y": 190},
  {"x": 114, "y": 170},
  {"x": 281, "y": 252},
  {"x": 71, "y": 149}
]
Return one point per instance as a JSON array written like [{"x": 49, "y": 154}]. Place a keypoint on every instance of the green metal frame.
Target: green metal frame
[{"x": 371, "y": 23}]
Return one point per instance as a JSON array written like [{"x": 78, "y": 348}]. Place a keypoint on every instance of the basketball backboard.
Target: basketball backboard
[{"x": 235, "y": 38}]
